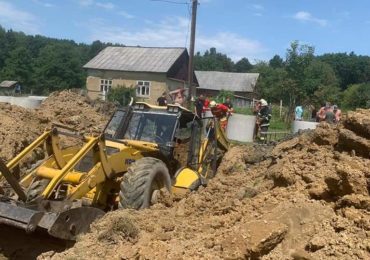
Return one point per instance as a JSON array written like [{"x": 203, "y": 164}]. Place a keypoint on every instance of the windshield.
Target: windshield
[
  {"x": 115, "y": 123},
  {"x": 151, "y": 127}
]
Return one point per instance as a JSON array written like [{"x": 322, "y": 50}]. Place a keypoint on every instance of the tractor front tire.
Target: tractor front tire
[{"x": 143, "y": 177}]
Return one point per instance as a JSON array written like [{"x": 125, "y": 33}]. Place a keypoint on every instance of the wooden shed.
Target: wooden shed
[{"x": 242, "y": 85}]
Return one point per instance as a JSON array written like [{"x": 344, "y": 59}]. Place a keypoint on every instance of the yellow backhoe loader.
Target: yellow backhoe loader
[{"x": 143, "y": 149}]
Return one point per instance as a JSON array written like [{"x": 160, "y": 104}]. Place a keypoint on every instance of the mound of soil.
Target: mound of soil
[
  {"x": 19, "y": 126},
  {"x": 305, "y": 198},
  {"x": 75, "y": 111}
]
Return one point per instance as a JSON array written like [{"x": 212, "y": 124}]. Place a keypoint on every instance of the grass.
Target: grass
[
  {"x": 243, "y": 110},
  {"x": 276, "y": 123}
]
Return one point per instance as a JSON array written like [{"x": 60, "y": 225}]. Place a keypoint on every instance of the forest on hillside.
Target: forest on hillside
[{"x": 43, "y": 65}]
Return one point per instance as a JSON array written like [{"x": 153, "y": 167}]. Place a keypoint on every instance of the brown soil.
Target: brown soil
[
  {"x": 305, "y": 198},
  {"x": 76, "y": 111},
  {"x": 19, "y": 126}
]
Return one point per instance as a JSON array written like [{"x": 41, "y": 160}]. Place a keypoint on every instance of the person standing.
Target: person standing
[
  {"x": 206, "y": 103},
  {"x": 220, "y": 111},
  {"x": 313, "y": 114},
  {"x": 256, "y": 110},
  {"x": 162, "y": 101},
  {"x": 337, "y": 114},
  {"x": 263, "y": 119},
  {"x": 298, "y": 113},
  {"x": 229, "y": 104},
  {"x": 198, "y": 106},
  {"x": 323, "y": 111}
]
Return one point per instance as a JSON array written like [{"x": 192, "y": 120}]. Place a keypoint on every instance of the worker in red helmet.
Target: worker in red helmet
[{"x": 220, "y": 111}]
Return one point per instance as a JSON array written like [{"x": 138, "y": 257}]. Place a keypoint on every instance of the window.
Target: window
[
  {"x": 105, "y": 85},
  {"x": 149, "y": 127},
  {"x": 143, "y": 89}
]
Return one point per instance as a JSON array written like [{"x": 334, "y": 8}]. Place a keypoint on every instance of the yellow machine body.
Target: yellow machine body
[{"x": 90, "y": 175}]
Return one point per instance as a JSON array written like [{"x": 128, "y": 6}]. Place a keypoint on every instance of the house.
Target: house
[
  {"x": 150, "y": 70},
  {"x": 8, "y": 86},
  {"x": 241, "y": 84}
]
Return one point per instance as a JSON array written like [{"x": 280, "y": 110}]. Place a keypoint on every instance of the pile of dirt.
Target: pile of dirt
[
  {"x": 305, "y": 198},
  {"x": 19, "y": 126},
  {"x": 75, "y": 111}
]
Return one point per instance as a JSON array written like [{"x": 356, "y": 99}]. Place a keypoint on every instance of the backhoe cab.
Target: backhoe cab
[{"x": 143, "y": 149}]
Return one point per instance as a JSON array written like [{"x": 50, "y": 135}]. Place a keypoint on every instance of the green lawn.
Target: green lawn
[{"x": 276, "y": 123}]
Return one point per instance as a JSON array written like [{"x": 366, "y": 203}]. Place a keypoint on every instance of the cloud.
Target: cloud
[
  {"x": 108, "y": 5},
  {"x": 85, "y": 2},
  {"x": 16, "y": 19},
  {"x": 258, "y": 7},
  {"x": 308, "y": 17},
  {"x": 172, "y": 32},
  {"x": 44, "y": 4},
  {"x": 126, "y": 14}
]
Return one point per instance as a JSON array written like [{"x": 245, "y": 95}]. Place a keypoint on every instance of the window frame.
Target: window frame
[
  {"x": 144, "y": 84},
  {"x": 105, "y": 85}
]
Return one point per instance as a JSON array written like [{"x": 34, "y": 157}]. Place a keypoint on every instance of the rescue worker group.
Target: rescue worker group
[{"x": 203, "y": 106}]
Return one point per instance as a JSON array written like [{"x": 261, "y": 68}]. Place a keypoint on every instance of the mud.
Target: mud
[{"x": 305, "y": 198}]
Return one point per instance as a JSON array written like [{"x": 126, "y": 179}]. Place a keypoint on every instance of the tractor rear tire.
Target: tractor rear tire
[{"x": 140, "y": 181}]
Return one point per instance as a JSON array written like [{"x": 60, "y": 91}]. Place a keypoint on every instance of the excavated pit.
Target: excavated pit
[{"x": 305, "y": 198}]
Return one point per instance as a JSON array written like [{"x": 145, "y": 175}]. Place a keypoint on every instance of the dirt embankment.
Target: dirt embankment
[
  {"x": 19, "y": 126},
  {"x": 306, "y": 198}
]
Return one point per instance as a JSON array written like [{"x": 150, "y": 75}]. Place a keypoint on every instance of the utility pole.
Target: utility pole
[{"x": 191, "y": 51}]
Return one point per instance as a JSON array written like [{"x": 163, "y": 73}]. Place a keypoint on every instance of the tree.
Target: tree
[
  {"x": 58, "y": 67},
  {"x": 357, "y": 96},
  {"x": 298, "y": 58},
  {"x": 213, "y": 61},
  {"x": 318, "y": 75},
  {"x": 18, "y": 67},
  {"x": 243, "y": 65},
  {"x": 349, "y": 68},
  {"x": 95, "y": 48},
  {"x": 276, "y": 62},
  {"x": 323, "y": 94},
  {"x": 2, "y": 46},
  {"x": 270, "y": 82}
]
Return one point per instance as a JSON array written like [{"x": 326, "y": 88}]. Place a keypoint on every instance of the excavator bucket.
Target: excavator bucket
[
  {"x": 65, "y": 225},
  {"x": 64, "y": 219}
]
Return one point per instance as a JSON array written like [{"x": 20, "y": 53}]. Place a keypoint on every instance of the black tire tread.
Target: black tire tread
[{"x": 138, "y": 179}]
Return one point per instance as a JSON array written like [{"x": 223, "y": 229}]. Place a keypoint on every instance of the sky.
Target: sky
[{"x": 255, "y": 29}]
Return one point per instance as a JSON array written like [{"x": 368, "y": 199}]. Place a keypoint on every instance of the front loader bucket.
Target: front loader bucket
[{"x": 65, "y": 225}]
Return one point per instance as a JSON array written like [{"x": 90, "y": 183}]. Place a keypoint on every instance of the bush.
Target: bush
[
  {"x": 357, "y": 96},
  {"x": 223, "y": 95},
  {"x": 121, "y": 94}
]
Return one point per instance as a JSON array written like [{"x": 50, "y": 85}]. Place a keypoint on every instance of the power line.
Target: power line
[{"x": 189, "y": 14}]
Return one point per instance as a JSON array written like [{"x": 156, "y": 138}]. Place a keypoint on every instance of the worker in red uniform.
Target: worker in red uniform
[{"x": 220, "y": 111}]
